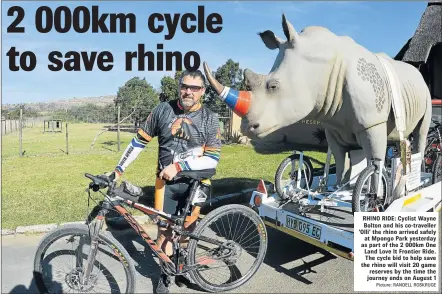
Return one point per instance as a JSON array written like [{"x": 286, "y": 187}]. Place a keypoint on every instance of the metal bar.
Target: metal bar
[{"x": 21, "y": 132}]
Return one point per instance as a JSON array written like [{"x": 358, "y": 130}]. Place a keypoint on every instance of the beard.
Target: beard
[{"x": 187, "y": 101}]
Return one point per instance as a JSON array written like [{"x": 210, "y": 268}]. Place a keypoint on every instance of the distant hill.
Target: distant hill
[{"x": 63, "y": 104}]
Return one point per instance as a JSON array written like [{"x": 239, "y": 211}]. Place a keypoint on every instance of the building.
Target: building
[{"x": 424, "y": 51}]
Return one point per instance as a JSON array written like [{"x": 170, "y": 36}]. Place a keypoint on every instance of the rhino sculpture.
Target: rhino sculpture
[{"x": 318, "y": 75}]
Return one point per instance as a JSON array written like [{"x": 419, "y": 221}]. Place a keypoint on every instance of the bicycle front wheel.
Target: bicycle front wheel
[
  {"x": 244, "y": 232},
  {"x": 60, "y": 269},
  {"x": 287, "y": 172}
]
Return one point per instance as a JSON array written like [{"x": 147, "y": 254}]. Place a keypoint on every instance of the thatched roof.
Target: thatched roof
[{"x": 428, "y": 34}]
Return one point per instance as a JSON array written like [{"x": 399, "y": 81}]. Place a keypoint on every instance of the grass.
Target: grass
[{"x": 48, "y": 186}]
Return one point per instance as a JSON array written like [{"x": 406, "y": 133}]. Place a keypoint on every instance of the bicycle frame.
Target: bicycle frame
[
  {"x": 172, "y": 221},
  {"x": 325, "y": 198}
]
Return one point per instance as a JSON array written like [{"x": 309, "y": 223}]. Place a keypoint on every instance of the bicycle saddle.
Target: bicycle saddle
[{"x": 196, "y": 174}]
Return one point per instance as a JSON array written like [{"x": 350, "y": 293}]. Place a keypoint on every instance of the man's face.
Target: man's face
[{"x": 191, "y": 90}]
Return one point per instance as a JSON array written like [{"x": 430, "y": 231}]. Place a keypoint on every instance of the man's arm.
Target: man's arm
[
  {"x": 138, "y": 143},
  {"x": 211, "y": 153}
]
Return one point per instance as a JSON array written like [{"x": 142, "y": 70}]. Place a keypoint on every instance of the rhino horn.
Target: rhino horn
[
  {"x": 238, "y": 101},
  {"x": 289, "y": 30}
]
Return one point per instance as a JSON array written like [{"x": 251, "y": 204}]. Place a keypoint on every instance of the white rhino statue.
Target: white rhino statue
[{"x": 318, "y": 75}]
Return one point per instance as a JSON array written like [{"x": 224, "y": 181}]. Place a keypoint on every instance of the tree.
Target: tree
[
  {"x": 169, "y": 87},
  {"x": 229, "y": 74},
  {"x": 14, "y": 113},
  {"x": 136, "y": 94}
]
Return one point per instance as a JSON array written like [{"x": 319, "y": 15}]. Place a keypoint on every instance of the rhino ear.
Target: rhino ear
[
  {"x": 270, "y": 40},
  {"x": 289, "y": 30}
]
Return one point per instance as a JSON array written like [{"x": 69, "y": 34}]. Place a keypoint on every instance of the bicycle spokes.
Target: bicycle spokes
[
  {"x": 63, "y": 267},
  {"x": 241, "y": 243},
  {"x": 370, "y": 200}
]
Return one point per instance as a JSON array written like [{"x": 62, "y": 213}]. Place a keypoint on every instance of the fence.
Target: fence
[
  {"x": 12, "y": 125},
  {"x": 58, "y": 123}
]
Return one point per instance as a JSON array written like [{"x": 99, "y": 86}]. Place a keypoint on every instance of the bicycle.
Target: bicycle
[
  {"x": 433, "y": 156},
  {"x": 293, "y": 162},
  {"x": 185, "y": 260},
  {"x": 432, "y": 164},
  {"x": 306, "y": 192}
]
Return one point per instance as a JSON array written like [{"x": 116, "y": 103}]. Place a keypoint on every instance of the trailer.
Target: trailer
[{"x": 330, "y": 226}]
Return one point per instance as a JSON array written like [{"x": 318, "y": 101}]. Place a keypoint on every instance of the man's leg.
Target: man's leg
[{"x": 164, "y": 237}]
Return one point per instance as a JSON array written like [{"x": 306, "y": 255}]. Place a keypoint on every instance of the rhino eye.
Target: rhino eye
[{"x": 272, "y": 85}]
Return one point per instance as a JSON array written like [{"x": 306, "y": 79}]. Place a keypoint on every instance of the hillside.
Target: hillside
[{"x": 63, "y": 104}]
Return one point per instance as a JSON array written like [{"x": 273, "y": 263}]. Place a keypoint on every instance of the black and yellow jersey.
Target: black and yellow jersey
[{"x": 191, "y": 140}]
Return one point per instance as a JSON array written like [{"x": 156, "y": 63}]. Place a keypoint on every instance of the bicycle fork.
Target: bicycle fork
[{"x": 96, "y": 227}]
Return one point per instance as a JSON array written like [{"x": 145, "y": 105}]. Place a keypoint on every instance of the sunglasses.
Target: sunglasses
[{"x": 191, "y": 87}]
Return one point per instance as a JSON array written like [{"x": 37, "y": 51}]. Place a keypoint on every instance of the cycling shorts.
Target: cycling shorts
[{"x": 175, "y": 195}]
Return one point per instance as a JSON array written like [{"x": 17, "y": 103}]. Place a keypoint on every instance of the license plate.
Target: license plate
[{"x": 303, "y": 227}]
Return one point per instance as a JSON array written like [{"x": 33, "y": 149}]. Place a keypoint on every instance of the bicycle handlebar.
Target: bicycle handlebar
[
  {"x": 103, "y": 181},
  {"x": 98, "y": 182}
]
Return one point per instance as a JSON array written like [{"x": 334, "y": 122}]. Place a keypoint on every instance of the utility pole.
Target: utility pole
[
  {"x": 67, "y": 136},
  {"x": 118, "y": 128},
  {"x": 20, "y": 131}
]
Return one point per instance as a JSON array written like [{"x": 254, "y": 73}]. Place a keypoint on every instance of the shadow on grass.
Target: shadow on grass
[
  {"x": 108, "y": 149},
  {"x": 109, "y": 143}
]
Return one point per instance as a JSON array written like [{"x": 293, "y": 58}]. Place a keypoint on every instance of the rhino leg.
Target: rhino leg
[
  {"x": 338, "y": 152},
  {"x": 374, "y": 143}
]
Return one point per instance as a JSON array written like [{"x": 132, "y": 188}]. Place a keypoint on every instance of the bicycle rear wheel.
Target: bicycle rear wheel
[
  {"x": 69, "y": 263},
  {"x": 238, "y": 226},
  {"x": 437, "y": 169}
]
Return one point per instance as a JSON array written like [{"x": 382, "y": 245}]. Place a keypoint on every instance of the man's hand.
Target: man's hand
[
  {"x": 113, "y": 175},
  {"x": 169, "y": 172}
]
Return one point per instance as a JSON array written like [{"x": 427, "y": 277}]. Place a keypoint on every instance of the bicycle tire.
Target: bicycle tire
[
  {"x": 367, "y": 172},
  {"x": 206, "y": 221},
  {"x": 288, "y": 160},
  {"x": 437, "y": 164},
  {"x": 82, "y": 229}
]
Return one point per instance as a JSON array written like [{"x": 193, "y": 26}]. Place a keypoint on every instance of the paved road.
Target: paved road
[{"x": 291, "y": 266}]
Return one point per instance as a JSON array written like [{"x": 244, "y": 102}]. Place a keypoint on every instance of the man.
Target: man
[{"x": 189, "y": 139}]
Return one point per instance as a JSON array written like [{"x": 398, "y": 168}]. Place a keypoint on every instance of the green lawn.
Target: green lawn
[{"x": 48, "y": 186}]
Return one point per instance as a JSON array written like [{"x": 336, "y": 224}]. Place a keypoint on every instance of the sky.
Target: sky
[{"x": 378, "y": 26}]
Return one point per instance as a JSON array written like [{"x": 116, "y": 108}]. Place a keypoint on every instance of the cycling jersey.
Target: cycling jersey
[{"x": 189, "y": 140}]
